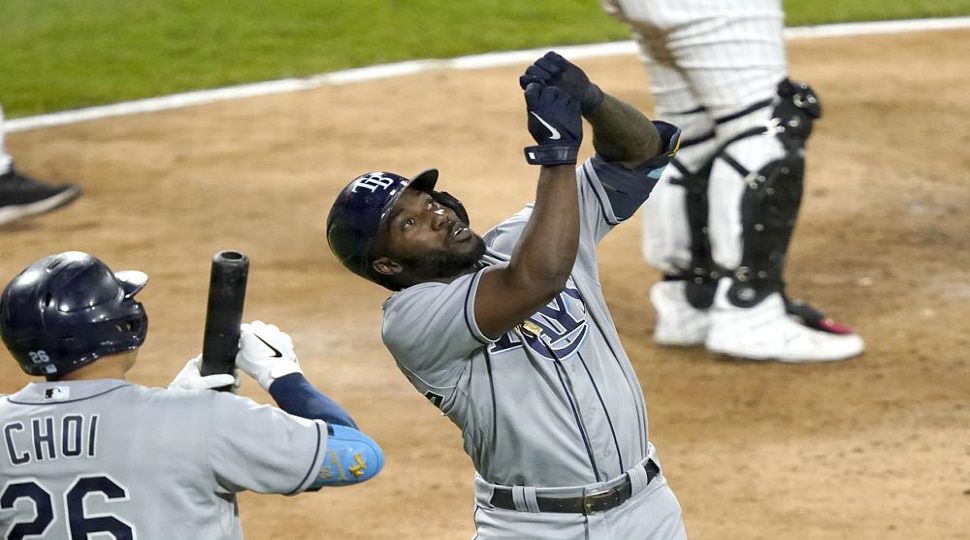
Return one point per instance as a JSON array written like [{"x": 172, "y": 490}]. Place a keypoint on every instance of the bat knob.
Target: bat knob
[{"x": 229, "y": 257}]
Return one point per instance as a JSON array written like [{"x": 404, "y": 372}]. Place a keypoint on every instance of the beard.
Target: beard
[{"x": 441, "y": 264}]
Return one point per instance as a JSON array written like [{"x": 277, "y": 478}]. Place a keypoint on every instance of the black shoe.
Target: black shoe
[{"x": 22, "y": 196}]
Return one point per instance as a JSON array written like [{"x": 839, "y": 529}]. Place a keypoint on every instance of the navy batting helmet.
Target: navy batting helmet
[
  {"x": 362, "y": 208},
  {"x": 69, "y": 309}
]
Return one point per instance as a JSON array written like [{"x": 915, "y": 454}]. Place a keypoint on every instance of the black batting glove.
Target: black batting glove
[
  {"x": 555, "y": 123},
  {"x": 554, "y": 70}
]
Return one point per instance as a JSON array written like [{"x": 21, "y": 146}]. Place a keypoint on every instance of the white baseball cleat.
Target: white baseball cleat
[
  {"x": 766, "y": 332},
  {"x": 679, "y": 324}
]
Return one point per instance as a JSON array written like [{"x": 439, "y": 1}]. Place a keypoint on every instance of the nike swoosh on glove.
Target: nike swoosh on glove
[
  {"x": 555, "y": 122},
  {"x": 265, "y": 353}
]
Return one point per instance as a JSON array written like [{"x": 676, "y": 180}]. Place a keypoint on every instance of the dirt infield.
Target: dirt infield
[{"x": 876, "y": 447}]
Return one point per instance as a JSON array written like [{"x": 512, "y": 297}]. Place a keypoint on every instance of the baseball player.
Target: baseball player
[
  {"x": 22, "y": 196},
  {"x": 721, "y": 218},
  {"x": 87, "y": 454},
  {"x": 509, "y": 335}
]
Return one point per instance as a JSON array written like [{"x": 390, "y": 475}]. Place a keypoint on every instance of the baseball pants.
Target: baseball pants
[
  {"x": 707, "y": 60},
  {"x": 652, "y": 513}
]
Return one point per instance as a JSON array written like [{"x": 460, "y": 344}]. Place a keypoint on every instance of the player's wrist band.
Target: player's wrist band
[
  {"x": 295, "y": 395},
  {"x": 551, "y": 154}
]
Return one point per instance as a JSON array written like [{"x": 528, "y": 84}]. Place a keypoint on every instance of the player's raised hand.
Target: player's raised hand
[
  {"x": 555, "y": 123},
  {"x": 266, "y": 353},
  {"x": 190, "y": 378},
  {"x": 554, "y": 70}
]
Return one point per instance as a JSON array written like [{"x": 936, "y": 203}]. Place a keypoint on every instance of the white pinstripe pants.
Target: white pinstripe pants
[{"x": 722, "y": 56}]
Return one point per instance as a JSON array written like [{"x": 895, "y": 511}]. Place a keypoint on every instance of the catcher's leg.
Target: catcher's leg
[
  {"x": 676, "y": 240},
  {"x": 675, "y": 221},
  {"x": 731, "y": 58},
  {"x": 703, "y": 62},
  {"x": 763, "y": 168}
]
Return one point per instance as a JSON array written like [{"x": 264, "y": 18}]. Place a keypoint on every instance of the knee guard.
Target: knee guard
[
  {"x": 772, "y": 195},
  {"x": 798, "y": 107}
]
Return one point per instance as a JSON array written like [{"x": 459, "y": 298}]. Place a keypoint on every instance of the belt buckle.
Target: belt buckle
[{"x": 594, "y": 496}]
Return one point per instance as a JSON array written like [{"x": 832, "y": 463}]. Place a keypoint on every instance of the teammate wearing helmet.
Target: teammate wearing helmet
[
  {"x": 509, "y": 335},
  {"x": 88, "y": 453}
]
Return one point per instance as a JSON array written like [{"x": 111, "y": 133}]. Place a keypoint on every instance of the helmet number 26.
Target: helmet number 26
[{"x": 38, "y": 357}]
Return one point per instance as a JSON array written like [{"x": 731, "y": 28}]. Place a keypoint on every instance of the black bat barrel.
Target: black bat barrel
[{"x": 227, "y": 294}]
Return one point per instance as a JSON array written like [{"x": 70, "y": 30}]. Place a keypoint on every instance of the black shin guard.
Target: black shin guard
[
  {"x": 772, "y": 196},
  {"x": 703, "y": 274},
  {"x": 769, "y": 208}
]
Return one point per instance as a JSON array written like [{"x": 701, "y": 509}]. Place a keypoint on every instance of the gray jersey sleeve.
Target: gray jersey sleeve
[
  {"x": 610, "y": 193},
  {"x": 263, "y": 449},
  {"x": 429, "y": 328},
  {"x": 618, "y": 191}
]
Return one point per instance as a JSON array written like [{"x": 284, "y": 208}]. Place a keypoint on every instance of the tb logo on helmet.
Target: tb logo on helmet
[{"x": 373, "y": 182}]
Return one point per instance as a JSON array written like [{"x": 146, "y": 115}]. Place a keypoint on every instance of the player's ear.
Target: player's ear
[{"x": 387, "y": 266}]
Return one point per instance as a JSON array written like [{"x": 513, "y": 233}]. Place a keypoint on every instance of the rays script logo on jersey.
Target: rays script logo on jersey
[{"x": 557, "y": 330}]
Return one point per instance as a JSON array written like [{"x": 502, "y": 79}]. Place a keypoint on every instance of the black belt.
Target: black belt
[{"x": 594, "y": 501}]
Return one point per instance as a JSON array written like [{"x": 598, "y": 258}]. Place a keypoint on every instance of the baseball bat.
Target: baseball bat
[{"x": 227, "y": 294}]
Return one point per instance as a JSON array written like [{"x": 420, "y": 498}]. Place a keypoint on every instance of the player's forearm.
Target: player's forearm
[
  {"x": 295, "y": 395},
  {"x": 622, "y": 133},
  {"x": 542, "y": 260},
  {"x": 546, "y": 252}
]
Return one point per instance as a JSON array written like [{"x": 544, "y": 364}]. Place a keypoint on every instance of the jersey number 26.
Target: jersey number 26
[{"x": 79, "y": 525}]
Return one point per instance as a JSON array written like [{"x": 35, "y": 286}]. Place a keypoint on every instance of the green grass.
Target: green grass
[
  {"x": 60, "y": 54},
  {"x": 807, "y": 12}
]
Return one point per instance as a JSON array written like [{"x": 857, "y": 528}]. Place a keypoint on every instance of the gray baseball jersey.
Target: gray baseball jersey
[
  {"x": 555, "y": 402},
  {"x": 111, "y": 457}
]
